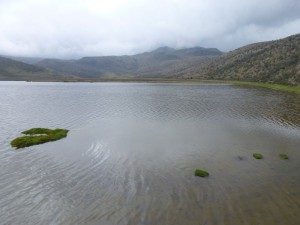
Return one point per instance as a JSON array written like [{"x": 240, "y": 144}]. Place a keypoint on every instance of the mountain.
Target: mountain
[
  {"x": 273, "y": 61},
  {"x": 14, "y": 70},
  {"x": 162, "y": 62}
]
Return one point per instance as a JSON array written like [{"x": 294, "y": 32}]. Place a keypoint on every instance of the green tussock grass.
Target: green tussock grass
[
  {"x": 280, "y": 87},
  {"x": 201, "y": 173},
  {"x": 284, "y": 156},
  {"x": 257, "y": 155},
  {"x": 36, "y": 136}
]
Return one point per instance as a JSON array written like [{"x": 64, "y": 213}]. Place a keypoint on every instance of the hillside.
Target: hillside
[
  {"x": 28, "y": 60},
  {"x": 15, "y": 70},
  {"x": 162, "y": 62},
  {"x": 274, "y": 61}
]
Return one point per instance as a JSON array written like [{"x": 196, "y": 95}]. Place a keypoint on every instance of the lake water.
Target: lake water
[{"x": 132, "y": 150}]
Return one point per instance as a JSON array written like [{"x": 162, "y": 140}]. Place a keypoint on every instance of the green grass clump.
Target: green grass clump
[
  {"x": 201, "y": 173},
  {"x": 284, "y": 156},
  {"x": 257, "y": 155},
  {"x": 36, "y": 136}
]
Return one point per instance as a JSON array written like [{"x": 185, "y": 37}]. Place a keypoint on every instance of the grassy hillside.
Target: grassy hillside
[
  {"x": 274, "y": 62},
  {"x": 28, "y": 60},
  {"x": 15, "y": 70},
  {"x": 162, "y": 62}
]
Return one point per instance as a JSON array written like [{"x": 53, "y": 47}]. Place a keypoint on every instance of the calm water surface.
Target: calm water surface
[{"x": 132, "y": 150}]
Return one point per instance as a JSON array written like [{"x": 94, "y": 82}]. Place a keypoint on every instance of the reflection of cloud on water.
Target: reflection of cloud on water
[{"x": 98, "y": 151}]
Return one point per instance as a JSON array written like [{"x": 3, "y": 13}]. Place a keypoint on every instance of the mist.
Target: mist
[{"x": 76, "y": 28}]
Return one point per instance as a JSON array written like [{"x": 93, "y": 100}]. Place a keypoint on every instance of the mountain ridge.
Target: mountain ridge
[
  {"x": 272, "y": 61},
  {"x": 276, "y": 61},
  {"x": 15, "y": 70},
  {"x": 148, "y": 64}
]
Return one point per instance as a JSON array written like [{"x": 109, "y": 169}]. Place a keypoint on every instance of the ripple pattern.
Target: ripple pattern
[{"x": 132, "y": 150}]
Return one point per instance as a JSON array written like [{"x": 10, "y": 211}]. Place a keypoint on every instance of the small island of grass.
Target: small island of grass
[
  {"x": 201, "y": 173},
  {"x": 36, "y": 136},
  {"x": 257, "y": 155},
  {"x": 284, "y": 156}
]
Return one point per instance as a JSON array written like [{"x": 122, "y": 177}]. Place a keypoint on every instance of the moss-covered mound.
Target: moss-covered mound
[
  {"x": 201, "y": 173},
  {"x": 257, "y": 155},
  {"x": 36, "y": 136},
  {"x": 284, "y": 156}
]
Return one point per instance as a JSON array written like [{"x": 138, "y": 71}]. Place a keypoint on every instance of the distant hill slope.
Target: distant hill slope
[
  {"x": 15, "y": 70},
  {"x": 28, "y": 60},
  {"x": 162, "y": 62},
  {"x": 274, "y": 61}
]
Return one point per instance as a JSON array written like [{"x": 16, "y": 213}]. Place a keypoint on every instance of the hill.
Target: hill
[
  {"x": 14, "y": 70},
  {"x": 163, "y": 62},
  {"x": 28, "y": 60},
  {"x": 273, "y": 61}
]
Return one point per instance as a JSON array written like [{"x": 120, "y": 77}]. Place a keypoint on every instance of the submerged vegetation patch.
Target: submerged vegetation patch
[
  {"x": 284, "y": 156},
  {"x": 201, "y": 173},
  {"x": 36, "y": 136},
  {"x": 257, "y": 155}
]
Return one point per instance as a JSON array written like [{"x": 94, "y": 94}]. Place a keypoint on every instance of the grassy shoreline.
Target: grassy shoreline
[
  {"x": 135, "y": 80},
  {"x": 279, "y": 87}
]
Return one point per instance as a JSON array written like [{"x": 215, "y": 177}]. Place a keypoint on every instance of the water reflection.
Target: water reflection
[{"x": 133, "y": 148}]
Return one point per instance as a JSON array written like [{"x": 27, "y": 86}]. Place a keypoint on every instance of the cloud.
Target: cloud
[{"x": 76, "y": 28}]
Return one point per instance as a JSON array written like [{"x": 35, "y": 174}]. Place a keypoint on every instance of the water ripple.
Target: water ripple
[{"x": 135, "y": 149}]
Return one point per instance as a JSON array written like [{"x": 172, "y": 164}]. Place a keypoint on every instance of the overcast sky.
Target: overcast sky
[{"x": 76, "y": 28}]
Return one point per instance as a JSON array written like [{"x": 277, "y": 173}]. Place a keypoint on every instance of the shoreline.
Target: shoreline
[{"x": 279, "y": 87}]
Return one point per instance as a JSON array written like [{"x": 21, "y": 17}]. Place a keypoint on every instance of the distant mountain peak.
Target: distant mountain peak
[{"x": 164, "y": 49}]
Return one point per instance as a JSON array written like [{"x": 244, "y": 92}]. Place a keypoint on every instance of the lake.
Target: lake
[{"x": 132, "y": 150}]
